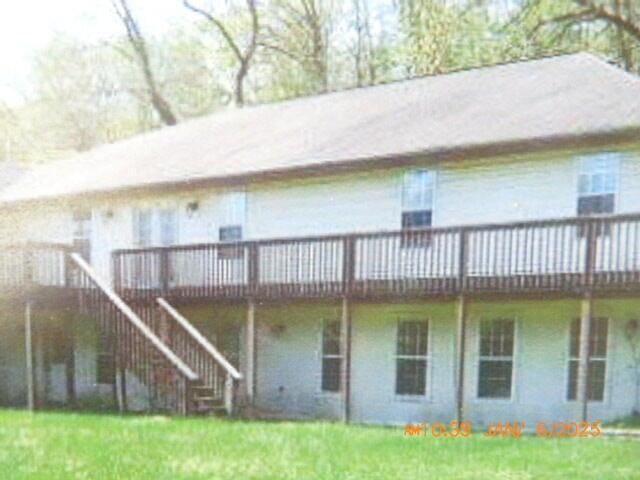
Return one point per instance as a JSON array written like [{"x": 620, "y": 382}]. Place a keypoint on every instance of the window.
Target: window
[
  {"x": 82, "y": 233},
  {"x": 411, "y": 357},
  {"x": 597, "y": 185},
  {"x": 417, "y": 206},
  {"x": 233, "y": 218},
  {"x": 331, "y": 356},
  {"x": 231, "y": 234},
  {"x": 142, "y": 228},
  {"x": 495, "y": 371},
  {"x": 596, "y": 369},
  {"x": 168, "y": 227}
]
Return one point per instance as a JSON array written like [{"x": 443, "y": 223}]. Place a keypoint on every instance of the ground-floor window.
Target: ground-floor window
[
  {"x": 597, "y": 366},
  {"x": 331, "y": 356},
  {"x": 495, "y": 369},
  {"x": 412, "y": 357}
]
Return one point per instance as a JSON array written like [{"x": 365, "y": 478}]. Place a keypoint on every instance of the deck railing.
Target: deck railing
[
  {"x": 572, "y": 254},
  {"x": 34, "y": 265}
]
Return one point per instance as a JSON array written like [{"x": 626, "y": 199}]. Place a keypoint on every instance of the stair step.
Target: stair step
[
  {"x": 203, "y": 389},
  {"x": 207, "y": 399}
]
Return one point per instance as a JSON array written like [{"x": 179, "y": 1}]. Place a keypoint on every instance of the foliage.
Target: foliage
[{"x": 246, "y": 51}]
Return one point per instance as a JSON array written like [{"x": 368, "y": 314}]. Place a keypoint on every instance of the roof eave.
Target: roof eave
[{"x": 617, "y": 137}]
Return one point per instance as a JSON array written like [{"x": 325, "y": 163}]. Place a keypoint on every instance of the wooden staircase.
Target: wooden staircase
[{"x": 183, "y": 372}]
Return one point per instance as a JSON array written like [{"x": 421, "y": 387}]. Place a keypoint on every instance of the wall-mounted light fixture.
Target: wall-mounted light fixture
[{"x": 192, "y": 207}]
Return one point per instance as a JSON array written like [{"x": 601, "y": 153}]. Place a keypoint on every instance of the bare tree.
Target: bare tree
[
  {"x": 299, "y": 31},
  {"x": 620, "y": 14},
  {"x": 139, "y": 46},
  {"x": 364, "y": 50},
  {"x": 243, "y": 55}
]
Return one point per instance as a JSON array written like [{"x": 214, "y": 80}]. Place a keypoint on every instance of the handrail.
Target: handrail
[
  {"x": 183, "y": 368},
  {"x": 198, "y": 337},
  {"x": 61, "y": 247},
  {"x": 575, "y": 220}
]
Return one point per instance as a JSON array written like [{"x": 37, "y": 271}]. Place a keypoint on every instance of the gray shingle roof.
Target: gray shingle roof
[{"x": 553, "y": 97}]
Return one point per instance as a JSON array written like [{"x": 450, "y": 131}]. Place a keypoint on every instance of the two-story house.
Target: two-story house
[{"x": 454, "y": 246}]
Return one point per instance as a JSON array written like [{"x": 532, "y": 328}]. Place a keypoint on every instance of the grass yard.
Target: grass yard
[{"x": 66, "y": 446}]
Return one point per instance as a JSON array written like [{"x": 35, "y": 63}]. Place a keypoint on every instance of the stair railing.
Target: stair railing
[
  {"x": 201, "y": 355},
  {"x": 134, "y": 345}
]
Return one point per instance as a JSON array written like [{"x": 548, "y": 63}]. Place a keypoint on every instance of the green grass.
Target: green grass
[
  {"x": 66, "y": 446},
  {"x": 631, "y": 422}
]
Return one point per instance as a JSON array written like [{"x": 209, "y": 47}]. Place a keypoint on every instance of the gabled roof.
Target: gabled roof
[{"x": 556, "y": 97}]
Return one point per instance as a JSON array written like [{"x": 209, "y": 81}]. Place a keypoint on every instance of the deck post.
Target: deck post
[
  {"x": 345, "y": 378},
  {"x": 461, "y": 341},
  {"x": 31, "y": 379},
  {"x": 250, "y": 338},
  {"x": 70, "y": 361},
  {"x": 122, "y": 399},
  {"x": 586, "y": 312},
  {"x": 461, "y": 323}
]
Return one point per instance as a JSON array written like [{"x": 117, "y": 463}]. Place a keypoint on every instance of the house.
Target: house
[{"x": 459, "y": 246}]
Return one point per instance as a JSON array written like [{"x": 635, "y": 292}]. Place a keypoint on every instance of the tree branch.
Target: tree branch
[{"x": 137, "y": 41}]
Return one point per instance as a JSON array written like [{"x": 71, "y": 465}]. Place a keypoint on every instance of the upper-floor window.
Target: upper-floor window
[
  {"x": 233, "y": 214},
  {"x": 168, "y": 219},
  {"x": 417, "y": 205},
  {"x": 82, "y": 233},
  {"x": 597, "y": 364},
  {"x": 155, "y": 227},
  {"x": 412, "y": 354},
  {"x": 597, "y": 184},
  {"x": 495, "y": 369},
  {"x": 143, "y": 228},
  {"x": 331, "y": 356}
]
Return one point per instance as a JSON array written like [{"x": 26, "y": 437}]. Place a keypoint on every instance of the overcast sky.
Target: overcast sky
[{"x": 27, "y": 25}]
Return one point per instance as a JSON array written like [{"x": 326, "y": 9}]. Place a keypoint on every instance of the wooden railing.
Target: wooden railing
[
  {"x": 134, "y": 346},
  {"x": 34, "y": 265},
  {"x": 574, "y": 254},
  {"x": 215, "y": 371}
]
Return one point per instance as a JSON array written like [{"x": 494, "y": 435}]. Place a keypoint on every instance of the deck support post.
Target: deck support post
[
  {"x": 345, "y": 347},
  {"x": 250, "y": 338},
  {"x": 31, "y": 377},
  {"x": 70, "y": 361},
  {"x": 586, "y": 313},
  {"x": 461, "y": 340}
]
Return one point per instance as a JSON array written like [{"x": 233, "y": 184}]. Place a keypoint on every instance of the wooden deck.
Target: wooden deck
[
  {"x": 560, "y": 256},
  {"x": 36, "y": 272}
]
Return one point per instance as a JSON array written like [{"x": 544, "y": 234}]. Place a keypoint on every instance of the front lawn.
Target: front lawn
[{"x": 65, "y": 446}]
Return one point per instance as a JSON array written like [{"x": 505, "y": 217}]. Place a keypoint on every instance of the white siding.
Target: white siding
[{"x": 514, "y": 188}]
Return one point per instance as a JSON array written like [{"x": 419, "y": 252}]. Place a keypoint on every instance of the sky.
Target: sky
[{"x": 27, "y": 25}]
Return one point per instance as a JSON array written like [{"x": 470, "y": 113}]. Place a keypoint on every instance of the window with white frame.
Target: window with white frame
[
  {"x": 168, "y": 219},
  {"x": 233, "y": 210},
  {"x": 495, "y": 367},
  {"x": 331, "y": 356},
  {"x": 82, "y": 233},
  {"x": 597, "y": 365},
  {"x": 597, "y": 184},
  {"x": 417, "y": 206},
  {"x": 412, "y": 357},
  {"x": 142, "y": 227}
]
